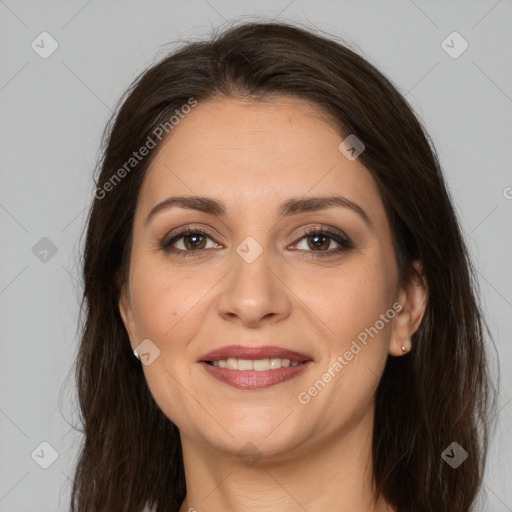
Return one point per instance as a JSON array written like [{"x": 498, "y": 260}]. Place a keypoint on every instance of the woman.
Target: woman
[{"x": 272, "y": 239}]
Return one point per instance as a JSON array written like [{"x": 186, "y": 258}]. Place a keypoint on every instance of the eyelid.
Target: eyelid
[
  {"x": 341, "y": 238},
  {"x": 167, "y": 241},
  {"x": 335, "y": 234}
]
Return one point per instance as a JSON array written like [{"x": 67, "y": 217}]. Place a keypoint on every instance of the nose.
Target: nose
[{"x": 255, "y": 292}]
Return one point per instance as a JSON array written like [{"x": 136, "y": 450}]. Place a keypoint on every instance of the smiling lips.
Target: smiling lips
[{"x": 254, "y": 367}]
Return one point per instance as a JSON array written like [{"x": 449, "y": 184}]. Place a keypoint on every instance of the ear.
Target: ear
[
  {"x": 126, "y": 312},
  {"x": 413, "y": 297}
]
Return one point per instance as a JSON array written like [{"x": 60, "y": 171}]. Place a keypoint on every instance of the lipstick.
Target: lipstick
[{"x": 246, "y": 367}]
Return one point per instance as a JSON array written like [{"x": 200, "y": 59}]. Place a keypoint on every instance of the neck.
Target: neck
[{"x": 336, "y": 475}]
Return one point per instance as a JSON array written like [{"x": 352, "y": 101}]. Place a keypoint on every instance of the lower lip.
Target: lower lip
[{"x": 251, "y": 379}]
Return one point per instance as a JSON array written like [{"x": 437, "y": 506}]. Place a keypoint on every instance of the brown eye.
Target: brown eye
[
  {"x": 194, "y": 240},
  {"x": 319, "y": 240}
]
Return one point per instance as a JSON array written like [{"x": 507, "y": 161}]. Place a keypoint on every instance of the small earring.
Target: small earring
[
  {"x": 136, "y": 354},
  {"x": 404, "y": 349}
]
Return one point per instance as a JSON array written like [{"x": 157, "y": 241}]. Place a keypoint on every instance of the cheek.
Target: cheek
[
  {"x": 355, "y": 309},
  {"x": 349, "y": 301},
  {"x": 168, "y": 311},
  {"x": 166, "y": 301}
]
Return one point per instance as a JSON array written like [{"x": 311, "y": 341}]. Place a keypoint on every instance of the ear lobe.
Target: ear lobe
[
  {"x": 413, "y": 297},
  {"x": 126, "y": 312}
]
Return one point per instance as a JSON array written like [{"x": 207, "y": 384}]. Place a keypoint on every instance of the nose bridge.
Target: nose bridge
[{"x": 253, "y": 290}]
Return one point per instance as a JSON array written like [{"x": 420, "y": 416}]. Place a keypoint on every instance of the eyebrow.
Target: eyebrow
[{"x": 290, "y": 207}]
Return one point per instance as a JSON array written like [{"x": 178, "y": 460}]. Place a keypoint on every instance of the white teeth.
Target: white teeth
[
  {"x": 245, "y": 364},
  {"x": 275, "y": 362},
  {"x": 232, "y": 364},
  {"x": 259, "y": 365}
]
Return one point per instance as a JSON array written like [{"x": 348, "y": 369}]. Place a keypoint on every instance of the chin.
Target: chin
[{"x": 253, "y": 436}]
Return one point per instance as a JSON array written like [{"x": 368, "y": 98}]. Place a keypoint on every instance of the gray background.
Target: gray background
[{"x": 53, "y": 112}]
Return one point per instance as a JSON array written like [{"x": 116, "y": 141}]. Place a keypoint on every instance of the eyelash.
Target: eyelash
[{"x": 340, "y": 238}]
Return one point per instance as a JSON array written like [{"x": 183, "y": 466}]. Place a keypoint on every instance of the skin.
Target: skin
[{"x": 253, "y": 156}]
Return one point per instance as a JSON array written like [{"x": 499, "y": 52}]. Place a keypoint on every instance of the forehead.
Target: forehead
[{"x": 253, "y": 155}]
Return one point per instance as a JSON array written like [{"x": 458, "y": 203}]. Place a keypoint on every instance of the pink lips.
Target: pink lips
[
  {"x": 241, "y": 352},
  {"x": 252, "y": 379}
]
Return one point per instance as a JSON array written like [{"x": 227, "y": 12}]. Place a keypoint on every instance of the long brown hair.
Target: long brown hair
[{"x": 440, "y": 393}]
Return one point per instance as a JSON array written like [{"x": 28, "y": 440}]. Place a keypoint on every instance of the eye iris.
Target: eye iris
[
  {"x": 194, "y": 244},
  {"x": 323, "y": 245}
]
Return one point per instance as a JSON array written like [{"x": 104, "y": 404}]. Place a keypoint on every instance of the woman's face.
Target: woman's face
[{"x": 254, "y": 276}]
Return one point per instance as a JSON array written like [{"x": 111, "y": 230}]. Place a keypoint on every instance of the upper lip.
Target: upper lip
[{"x": 246, "y": 352}]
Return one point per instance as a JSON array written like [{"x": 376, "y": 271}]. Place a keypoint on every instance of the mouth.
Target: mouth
[
  {"x": 254, "y": 367},
  {"x": 258, "y": 365}
]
